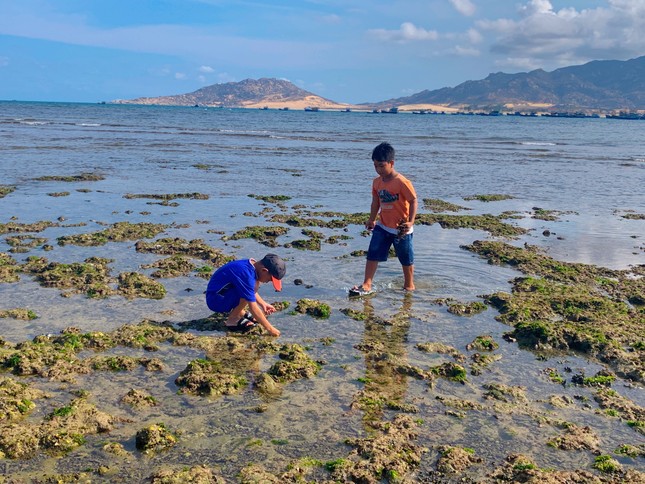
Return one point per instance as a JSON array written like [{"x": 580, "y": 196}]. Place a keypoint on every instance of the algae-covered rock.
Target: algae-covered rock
[
  {"x": 437, "y": 205},
  {"x": 18, "y": 313},
  {"x": 119, "y": 232},
  {"x": 455, "y": 460},
  {"x": 9, "y": 268},
  {"x": 195, "y": 248},
  {"x": 155, "y": 438},
  {"x": 491, "y": 197},
  {"x": 294, "y": 364},
  {"x": 264, "y": 235},
  {"x": 451, "y": 371},
  {"x": 6, "y": 190},
  {"x": 483, "y": 343},
  {"x": 388, "y": 455},
  {"x": 133, "y": 285},
  {"x": 168, "y": 196},
  {"x": 571, "y": 306},
  {"x": 576, "y": 438},
  {"x": 442, "y": 349},
  {"x": 173, "y": 266},
  {"x": 194, "y": 475},
  {"x": 489, "y": 223},
  {"x": 17, "y": 399},
  {"x": 314, "y": 308},
  {"x": 90, "y": 277},
  {"x": 212, "y": 378},
  {"x": 82, "y": 177}
]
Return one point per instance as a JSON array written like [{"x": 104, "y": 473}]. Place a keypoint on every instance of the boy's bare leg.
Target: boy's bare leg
[
  {"x": 236, "y": 313},
  {"x": 408, "y": 278},
  {"x": 370, "y": 271}
]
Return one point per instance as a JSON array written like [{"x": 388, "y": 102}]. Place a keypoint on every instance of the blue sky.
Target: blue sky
[{"x": 346, "y": 50}]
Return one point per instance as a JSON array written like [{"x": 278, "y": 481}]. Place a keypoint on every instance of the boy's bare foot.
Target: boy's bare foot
[{"x": 409, "y": 288}]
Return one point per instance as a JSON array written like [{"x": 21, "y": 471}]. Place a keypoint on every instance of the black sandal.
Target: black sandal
[{"x": 244, "y": 325}]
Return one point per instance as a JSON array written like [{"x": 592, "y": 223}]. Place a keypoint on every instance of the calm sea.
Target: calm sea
[{"x": 591, "y": 170}]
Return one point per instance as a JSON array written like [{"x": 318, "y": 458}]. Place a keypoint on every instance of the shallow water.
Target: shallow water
[{"x": 593, "y": 169}]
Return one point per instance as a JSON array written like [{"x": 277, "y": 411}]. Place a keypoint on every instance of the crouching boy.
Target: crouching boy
[{"x": 233, "y": 288}]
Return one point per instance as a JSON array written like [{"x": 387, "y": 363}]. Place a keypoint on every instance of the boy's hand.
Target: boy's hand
[
  {"x": 268, "y": 309},
  {"x": 370, "y": 224},
  {"x": 273, "y": 331}
]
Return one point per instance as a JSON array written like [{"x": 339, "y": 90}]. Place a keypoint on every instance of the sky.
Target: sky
[{"x": 349, "y": 51}]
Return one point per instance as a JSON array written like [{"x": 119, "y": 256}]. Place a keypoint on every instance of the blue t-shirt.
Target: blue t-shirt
[{"x": 230, "y": 283}]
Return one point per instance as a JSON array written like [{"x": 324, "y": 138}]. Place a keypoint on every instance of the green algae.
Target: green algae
[
  {"x": 437, "y": 205},
  {"x": 9, "y": 268},
  {"x": 18, "y": 313},
  {"x": 72, "y": 178},
  {"x": 119, "y": 232},
  {"x": 58, "y": 194},
  {"x": 632, "y": 451},
  {"x": 90, "y": 277},
  {"x": 606, "y": 464},
  {"x": 16, "y": 227},
  {"x": 6, "y": 190},
  {"x": 313, "y": 308},
  {"x": 155, "y": 438},
  {"x": 17, "y": 399},
  {"x": 388, "y": 455},
  {"x": 139, "y": 399},
  {"x": 197, "y": 474},
  {"x": 571, "y": 306},
  {"x": 462, "y": 309},
  {"x": 61, "y": 431},
  {"x": 442, "y": 349},
  {"x": 489, "y": 223},
  {"x": 483, "y": 343},
  {"x": 168, "y": 196},
  {"x": 195, "y": 248},
  {"x": 294, "y": 364},
  {"x": 211, "y": 378},
  {"x": 22, "y": 243},
  {"x": 634, "y": 216},
  {"x": 450, "y": 371},
  {"x": 133, "y": 285},
  {"x": 609, "y": 399},
  {"x": 264, "y": 235},
  {"x": 454, "y": 460},
  {"x": 270, "y": 198},
  {"x": 493, "y": 197},
  {"x": 173, "y": 266}
]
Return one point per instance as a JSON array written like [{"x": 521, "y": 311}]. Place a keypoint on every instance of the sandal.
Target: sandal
[
  {"x": 359, "y": 291},
  {"x": 244, "y": 325}
]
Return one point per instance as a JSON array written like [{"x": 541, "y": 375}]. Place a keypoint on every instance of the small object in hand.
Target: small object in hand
[{"x": 402, "y": 227}]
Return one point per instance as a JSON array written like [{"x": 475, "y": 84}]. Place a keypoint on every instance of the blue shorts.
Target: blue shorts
[
  {"x": 381, "y": 242},
  {"x": 223, "y": 300}
]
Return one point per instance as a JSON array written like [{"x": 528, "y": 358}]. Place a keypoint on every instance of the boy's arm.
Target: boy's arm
[
  {"x": 266, "y": 307},
  {"x": 412, "y": 215},
  {"x": 258, "y": 315},
  {"x": 376, "y": 203}
]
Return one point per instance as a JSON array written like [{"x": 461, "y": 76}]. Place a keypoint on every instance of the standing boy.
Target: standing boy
[
  {"x": 234, "y": 287},
  {"x": 394, "y": 202}
]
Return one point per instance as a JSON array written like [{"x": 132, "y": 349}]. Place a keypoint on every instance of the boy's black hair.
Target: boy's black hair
[{"x": 383, "y": 152}]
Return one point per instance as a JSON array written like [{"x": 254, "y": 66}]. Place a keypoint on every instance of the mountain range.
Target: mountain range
[{"x": 595, "y": 86}]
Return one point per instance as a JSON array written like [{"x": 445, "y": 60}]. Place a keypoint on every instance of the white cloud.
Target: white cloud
[
  {"x": 180, "y": 76},
  {"x": 464, "y": 7},
  {"x": 206, "y": 69},
  {"x": 407, "y": 32},
  {"x": 543, "y": 36},
  {"x": 466, "y": 51}
]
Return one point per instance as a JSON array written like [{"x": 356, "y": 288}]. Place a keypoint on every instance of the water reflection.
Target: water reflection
[{"x": 384, "y": 345}]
